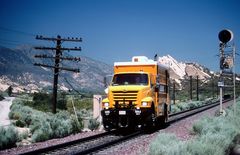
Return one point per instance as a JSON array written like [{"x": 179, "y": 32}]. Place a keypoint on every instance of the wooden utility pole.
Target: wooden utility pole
[
  {"x": 197, "y": 89},
  {"x": 58, "y": 58},
  {"x": 174, "y": 92},
  {"x": 213, "y": 88},
  {"x": 190, "y": 87}
]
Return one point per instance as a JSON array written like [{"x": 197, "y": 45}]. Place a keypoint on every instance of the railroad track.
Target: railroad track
[
  {"x": 85, "y": 145},
  {"x": 186, "y": 113},
  {"x": 98, "y": 142}
]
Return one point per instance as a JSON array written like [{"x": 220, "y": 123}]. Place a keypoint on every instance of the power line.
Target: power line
[
  {"x": 14, "y": 42},
  {"x": 16, "y": 31},
  {"x": 4, "y": 44},
  {"x": 72, "y": 87},
  {"x": 5, "y": 40}
]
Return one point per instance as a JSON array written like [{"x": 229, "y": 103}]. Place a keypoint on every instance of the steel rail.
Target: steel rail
[
  {"x": 114, "y": 142},
  {"x": 54, "y": 147}
]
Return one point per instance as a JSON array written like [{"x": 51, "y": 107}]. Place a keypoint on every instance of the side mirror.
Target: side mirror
[
  {"x": 107, "y": 80},
  {"x": 157, "y": 87},
  {"x": 157, "y": 83}
]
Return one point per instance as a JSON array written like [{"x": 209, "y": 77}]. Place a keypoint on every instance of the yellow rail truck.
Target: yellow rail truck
[{"x": 138, "y": 95}]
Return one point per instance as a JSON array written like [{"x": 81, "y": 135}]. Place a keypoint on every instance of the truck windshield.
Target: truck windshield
[{"x": 130, "y": 79}]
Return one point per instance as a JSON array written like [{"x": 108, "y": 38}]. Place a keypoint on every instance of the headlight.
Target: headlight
[
  {"x": 106, "y": 104},
  {"x": 144, "y": 104}
]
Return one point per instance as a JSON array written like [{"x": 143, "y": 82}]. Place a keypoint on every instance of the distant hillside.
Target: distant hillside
[{"x": 17, "y": 69}]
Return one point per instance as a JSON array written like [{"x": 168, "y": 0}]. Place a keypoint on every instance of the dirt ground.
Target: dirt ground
[{"x": 4, "y": 110}]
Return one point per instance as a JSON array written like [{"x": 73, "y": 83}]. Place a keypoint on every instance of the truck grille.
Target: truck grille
[{"x": 125, "y": 95}]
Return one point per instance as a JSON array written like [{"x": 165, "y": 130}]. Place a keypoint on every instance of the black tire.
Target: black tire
[
  {"x": 151, "y": 120},
  {"x": 163, "y": 119}
]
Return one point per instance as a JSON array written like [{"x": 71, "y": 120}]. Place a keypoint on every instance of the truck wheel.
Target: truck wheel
[
  {"x": 151, "y": 120},
  {"x": 164, "y": 118},
  {"x": 166, "y": 112}
]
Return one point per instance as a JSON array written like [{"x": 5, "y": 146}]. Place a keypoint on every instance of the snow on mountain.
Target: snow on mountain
[
  {"x": 193, "y": 69},
  {"x": 178, "y": 70}
]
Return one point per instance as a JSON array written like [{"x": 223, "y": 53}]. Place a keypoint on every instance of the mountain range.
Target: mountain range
[{"x": 17, "y": 70}]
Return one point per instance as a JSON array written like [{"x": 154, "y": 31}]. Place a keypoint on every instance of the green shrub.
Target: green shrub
[
  {"x": 77, "y": 124},
  {"x": 213, "y": 136},
  {"x": 8, "y": 137},
  {"x": 14, "y": 115},
  {"x": 44, "y": 126},
  {"x": 61, "y": 128},
  {"x": 22, "y": 114},
  {"x": 183, "y": 106},
  {"x": 166, "y": 144},
  {"x": 62, "y": 101},
  {"x": 43, "y": 132},
  {"x": 191, "y": 105},
  {"x": 41, "y": 101},
  {"x": 61, "y": 124},
  {"x": 84, "y": 113},
  {"x": 35, "y": 126},
  {"x": 20, "y": 123},
  {"x": 1, "y": 97},
  {"x": 85, "y": 103},
  {"x": 200, "y": 127},
  {"x": 174, "y": 109},
  {"x": 93, "y": 124},
  {"x": 4, "y": 94},
  {"x": 23, "y": 135},
  {"x": 200, "y": 148}
]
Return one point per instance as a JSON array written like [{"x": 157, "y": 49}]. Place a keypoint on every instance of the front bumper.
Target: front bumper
[{"x": 124, "y": 118}]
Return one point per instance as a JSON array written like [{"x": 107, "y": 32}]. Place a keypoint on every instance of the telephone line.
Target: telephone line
[
  {"x": 5, "y": 40},
  {"x": 61, "y": 68},
  {"x": 62, "y": 39},
  {"x": 62, "y": 58},
  {"x": 13, "y": 42},
  {"x": 16, "y": 31},
  {"x": 62, "y": 49},
  {"x": 5, "y": 43}
]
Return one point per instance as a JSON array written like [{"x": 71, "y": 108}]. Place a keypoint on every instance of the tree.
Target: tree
[{"x": 9, "y": 90}]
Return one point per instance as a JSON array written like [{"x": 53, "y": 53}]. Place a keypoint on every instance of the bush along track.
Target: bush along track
[
  {"x": 44, "y": 126},
  {"x": 182, "y": 106},
  {"x": 8, "y": 137},
  {"x": 213, "y": 136}
]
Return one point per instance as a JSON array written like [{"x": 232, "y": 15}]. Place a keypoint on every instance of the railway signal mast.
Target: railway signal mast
[
  {"x": 227, "y": 61},
  {"x": 58, "y": 59}
]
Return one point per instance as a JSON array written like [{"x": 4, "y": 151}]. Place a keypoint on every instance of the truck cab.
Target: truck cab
[{"x": 137, "y": 95}]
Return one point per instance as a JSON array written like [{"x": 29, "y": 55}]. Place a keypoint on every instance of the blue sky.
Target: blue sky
[{"x": 116, "y": 30}]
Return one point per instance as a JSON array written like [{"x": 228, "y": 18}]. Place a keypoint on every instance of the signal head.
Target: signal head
[{"x": 225, "y": 36}]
